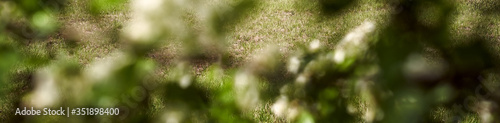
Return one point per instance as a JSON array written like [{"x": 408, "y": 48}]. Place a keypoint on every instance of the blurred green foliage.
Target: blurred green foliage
[{"x": 376, "y": 73}]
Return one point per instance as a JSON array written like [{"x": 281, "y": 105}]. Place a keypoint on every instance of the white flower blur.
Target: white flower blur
[
  {"x": 247, "y": 91},
  {"x": 185, "y": 81},
  {"x": 353, "y": 43},
  {"x": 315, "y": 45},
  {"x": 279, "y": 108},
  {"x": 294, "y": 65},
  {"x": 46, "y": 92},
  {"x": 104, "y": 67}
]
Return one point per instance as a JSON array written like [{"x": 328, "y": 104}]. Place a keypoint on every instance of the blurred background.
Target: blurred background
[{"x": 252, "y": 60}]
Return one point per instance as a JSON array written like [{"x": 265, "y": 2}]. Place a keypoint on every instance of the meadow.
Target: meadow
[{"x": 205, "y": 58}]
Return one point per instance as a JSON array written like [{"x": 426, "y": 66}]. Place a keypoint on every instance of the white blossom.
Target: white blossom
[
  {"x": 246, "y": 89},
  {"x": 279, "y": 108},
  {"x": 339, "y": 56},
  {"x": 46, "y": 92},
  {"x": 301, "y": 79},
  {"x": 173, "y": 116},
  {"x": 185, "y": 81},
  {"x": 104, "y": 67},
  {"x": 356, "y": 36},
  {"x": 294, "y": 64},
  {"x": 353, "y": 43},
  {"x": 315, "y": 45}
]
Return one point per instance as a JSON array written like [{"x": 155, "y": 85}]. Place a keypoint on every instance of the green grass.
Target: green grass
[
  {"x": 285, "y": 24},
  {"x": 288, "y": 24}
]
